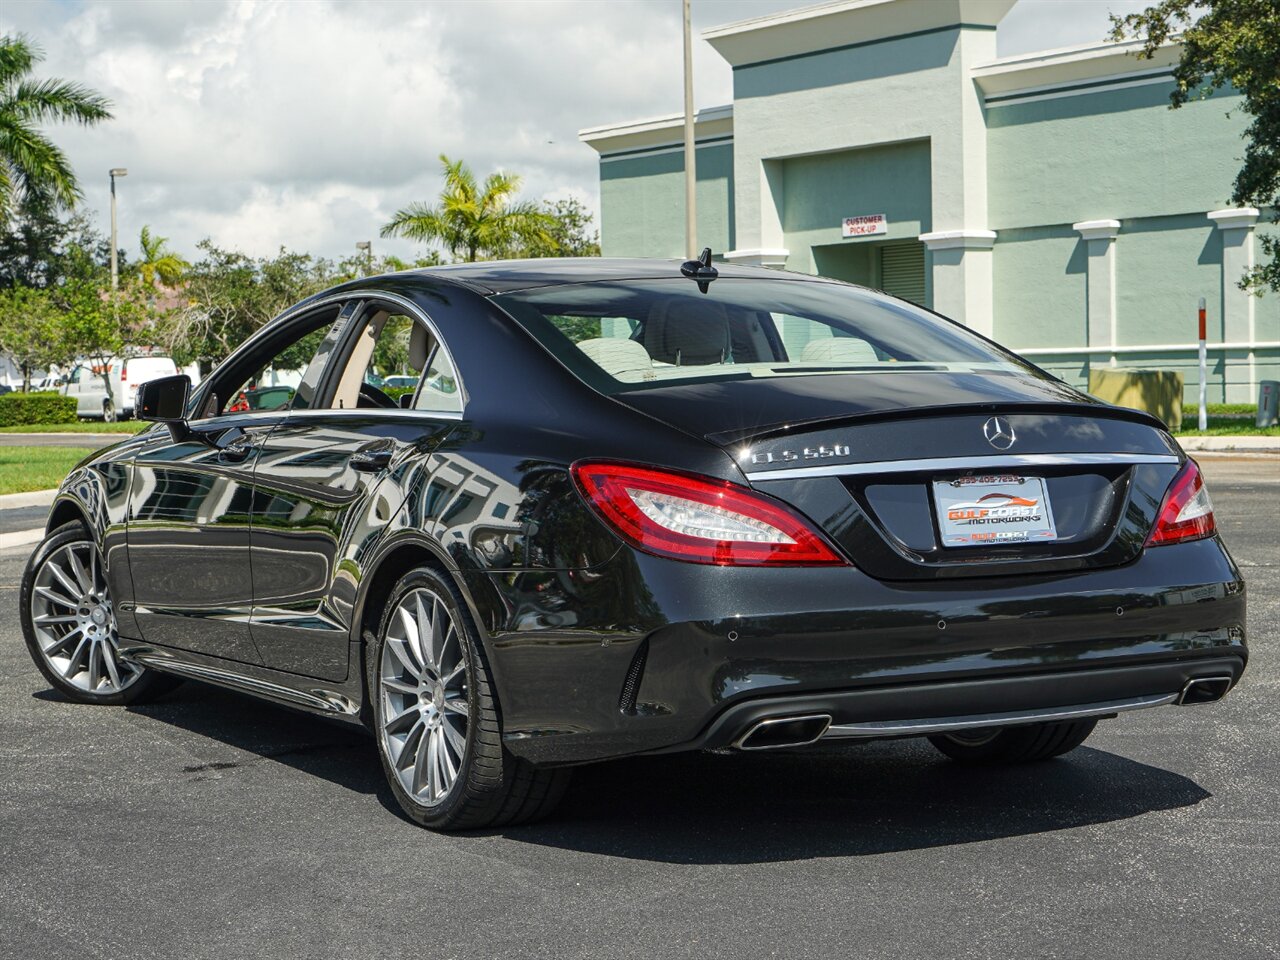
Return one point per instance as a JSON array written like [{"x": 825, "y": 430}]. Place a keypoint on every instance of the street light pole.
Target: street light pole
[
  {"x": 690, "y": 162},
  {"x": 115, "y": 272},
  {"x": 367, "y": 247}
]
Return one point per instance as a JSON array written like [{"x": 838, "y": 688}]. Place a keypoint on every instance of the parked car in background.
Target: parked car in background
[
  {"x": 400, "y": 382},
  {"x": 86, "y": 385},
  {"x": 639, "y": 507}
]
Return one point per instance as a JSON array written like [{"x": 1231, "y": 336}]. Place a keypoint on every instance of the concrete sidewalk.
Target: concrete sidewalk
[
  {"x": 22, "y": 517},
  {"x": 1241, "y": 444},
  {"x": 93, "y": 440}
]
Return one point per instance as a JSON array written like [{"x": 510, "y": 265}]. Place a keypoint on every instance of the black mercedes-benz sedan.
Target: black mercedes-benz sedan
[{"x": 636, "y": 507}]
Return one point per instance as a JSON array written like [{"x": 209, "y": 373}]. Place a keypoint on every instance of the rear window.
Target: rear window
[{"x": 634, "y": 334}]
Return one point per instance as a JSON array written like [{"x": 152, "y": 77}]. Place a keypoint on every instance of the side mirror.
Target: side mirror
[
  {"x": 164, "y": 400},
  {"x": 406, "y": 401}
]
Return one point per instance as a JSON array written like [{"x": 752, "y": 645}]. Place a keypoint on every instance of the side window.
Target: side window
[
  {"x": 440, "y": 391},
  {"x": 382, "y": 364},
  {"x": 75, "y": 375},
  {"x": 268, "y": 379},
  {"x": 394, "y": 357}
]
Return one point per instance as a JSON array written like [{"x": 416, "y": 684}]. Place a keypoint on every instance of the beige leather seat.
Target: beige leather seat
[
  {"x": 838, "y": 350},
  {"x": 687, "y": 332},
  {"x": 419, "y": 347},
  {"x": 616, "y": 356}
]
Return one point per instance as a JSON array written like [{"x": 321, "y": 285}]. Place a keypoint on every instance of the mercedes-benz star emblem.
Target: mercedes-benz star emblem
[{"x": 999, "y": 433}]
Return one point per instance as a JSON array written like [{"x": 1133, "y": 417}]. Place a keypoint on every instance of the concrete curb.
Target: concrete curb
[
  {"x": 73, "y": 434},
  {"x": 35, "y": 498},
  {"x": 21, "y": 538},
  {"x": 1245, "y": 444}
]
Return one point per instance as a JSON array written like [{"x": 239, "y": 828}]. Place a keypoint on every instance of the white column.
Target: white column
[
  {"x": 1238, "y": 306},
  {"x": 961, "y": 276},
  {"x": 771, "y": 257},
  {"x": 771, "y": 250},
  {"x": 1100, "y": 284}
]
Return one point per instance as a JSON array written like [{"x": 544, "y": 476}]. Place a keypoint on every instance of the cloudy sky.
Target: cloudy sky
[{"x": 306, "y": 123}]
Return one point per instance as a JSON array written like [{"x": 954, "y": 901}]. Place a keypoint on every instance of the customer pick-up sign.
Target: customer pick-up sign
[{"x": 867, "y": 225}]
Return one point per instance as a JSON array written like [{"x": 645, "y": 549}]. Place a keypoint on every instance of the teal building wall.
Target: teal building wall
[
  {"x": 928, "y": 129},
  {"x": 642, "y": 201}
]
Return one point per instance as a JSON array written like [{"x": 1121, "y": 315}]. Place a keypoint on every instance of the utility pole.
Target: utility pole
[
  {"x": 367, "y": 247},
  {"x": 690, "y": 162},
  {"x": 115, "y": 270},
  {"x": 1202, "y": 421}
]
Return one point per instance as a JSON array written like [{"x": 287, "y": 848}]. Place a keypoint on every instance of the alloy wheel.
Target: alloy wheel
[
  {"x": 75, "y": 623},
  {"x": 423, "y": 680}
]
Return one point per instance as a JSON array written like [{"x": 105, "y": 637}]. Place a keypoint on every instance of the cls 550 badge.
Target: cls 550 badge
[{"x": 820, "y": 452}]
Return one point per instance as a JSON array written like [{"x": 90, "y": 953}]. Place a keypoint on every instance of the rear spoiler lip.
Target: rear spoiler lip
[{"x": 1059, "y": 408}]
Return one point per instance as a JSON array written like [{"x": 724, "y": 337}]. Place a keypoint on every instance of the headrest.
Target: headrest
[
  {"x": 687, "y": 332},
  {"x": 419, "y": 346},
  {"x": 614, "y": 355},
  {"x": 838, "y": 350}
]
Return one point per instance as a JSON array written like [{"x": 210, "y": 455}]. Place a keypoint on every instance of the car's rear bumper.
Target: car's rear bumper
[
  {"x": 742, "y": 644},
  {"x": 915, "y": 709}
]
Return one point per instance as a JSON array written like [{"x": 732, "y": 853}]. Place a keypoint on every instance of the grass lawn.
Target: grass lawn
[
  {"x": 1249, "y": 410},
  {"x": 1224, "y": 427},
  {"x": 80, "y": 426},
  {"x": 37, "y": 468}
]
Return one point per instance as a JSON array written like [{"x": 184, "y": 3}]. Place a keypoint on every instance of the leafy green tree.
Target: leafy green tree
[
  {"x": 473, "y": 221},
  {"x": 32, "y": 168},
  {"x": 97, "y": 325},
  {"x": 159, "y": 264},
  {"x": 229, "y": 295},
  {"x": 41, "y": 248},
  {"x": 30, "y": 330},
  {"x": 569, "y": 232},
  {"x": 1227, "y": 43}
]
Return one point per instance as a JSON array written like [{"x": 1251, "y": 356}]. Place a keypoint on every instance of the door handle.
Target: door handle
[
  {"x": 237, "y": 450},
  {"x": 236, "y": 453},
  {"x": 372, "y": 459}
]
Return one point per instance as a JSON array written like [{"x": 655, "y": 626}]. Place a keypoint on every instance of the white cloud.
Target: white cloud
[{"x": 306, "y": 124}]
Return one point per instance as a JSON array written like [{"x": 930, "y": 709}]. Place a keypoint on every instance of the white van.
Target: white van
[{"x": 85, "y": 384}]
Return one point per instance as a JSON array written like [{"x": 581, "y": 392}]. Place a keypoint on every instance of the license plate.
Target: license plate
[{"x": 993, "y": 510}]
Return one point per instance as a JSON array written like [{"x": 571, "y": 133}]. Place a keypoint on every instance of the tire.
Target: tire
[
  {"x": 1040, "y": 741},
  {"x": 108, "y": 412},
  {"x": 69, "y": 625},
  {"x": 436, "y": 719}
]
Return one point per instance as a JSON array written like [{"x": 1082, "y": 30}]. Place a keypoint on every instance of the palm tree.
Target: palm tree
[
  {"x": 158, "y": 262},
  {"x": 32, "y": 169},
  {"x": 473, "y": 222}
]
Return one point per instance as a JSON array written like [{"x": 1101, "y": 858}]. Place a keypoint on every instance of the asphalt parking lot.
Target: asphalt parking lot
[{"x": 211, "y": 825}]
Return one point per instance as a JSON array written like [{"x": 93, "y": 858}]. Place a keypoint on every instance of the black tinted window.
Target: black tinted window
[{"x": 627, "y": 335}]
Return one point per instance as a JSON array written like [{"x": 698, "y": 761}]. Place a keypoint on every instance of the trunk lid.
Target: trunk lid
[{"x": 860, "y": 456}]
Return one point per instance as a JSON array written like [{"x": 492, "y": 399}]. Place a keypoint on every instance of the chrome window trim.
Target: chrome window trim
[
  {"x": 944, "y": 464},
  {"x": 412, "y": 309},
  {"x": 381, "y": 411}
]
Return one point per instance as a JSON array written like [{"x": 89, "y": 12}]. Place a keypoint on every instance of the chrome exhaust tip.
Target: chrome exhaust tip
[
  {"x": 1205, "y": 690},
  {"x": 777, "y": 732}
]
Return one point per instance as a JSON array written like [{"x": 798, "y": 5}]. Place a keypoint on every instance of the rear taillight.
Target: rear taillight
[
  {"x": 699, "y": 519},
  {"x": 1187, "y": 511},
  {"x": 124, "y": 374}
]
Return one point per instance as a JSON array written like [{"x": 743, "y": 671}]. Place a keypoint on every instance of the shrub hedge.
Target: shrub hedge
[{"x": 17, "y": 409}]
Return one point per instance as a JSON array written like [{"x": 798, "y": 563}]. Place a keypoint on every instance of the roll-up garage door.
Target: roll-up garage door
[{"x": 902, "y": 270}]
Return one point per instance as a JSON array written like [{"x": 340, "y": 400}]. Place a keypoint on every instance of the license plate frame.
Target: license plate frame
[{"x": 993, "y": 510}]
